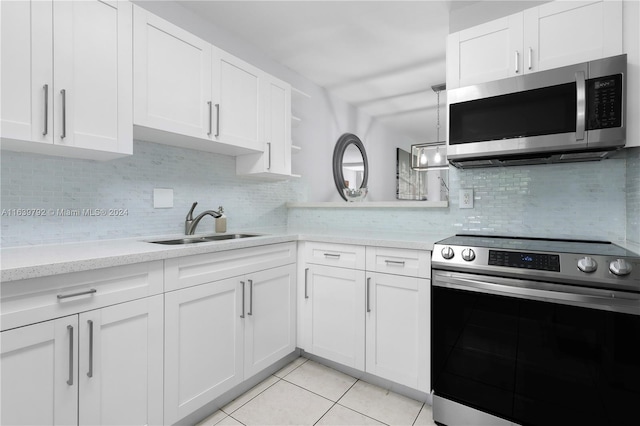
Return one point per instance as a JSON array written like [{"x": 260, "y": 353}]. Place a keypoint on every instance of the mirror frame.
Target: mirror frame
[{"x": 338, "y": 153}]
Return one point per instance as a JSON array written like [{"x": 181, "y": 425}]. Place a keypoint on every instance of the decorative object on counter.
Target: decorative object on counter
[
  {"x": 431, "y": 155},
  {"x": 355, "y": 194},
  {"x": 350, "y": 167},
  {"x": 221, "y": 222},
  {"x": 190, "y": 223}
]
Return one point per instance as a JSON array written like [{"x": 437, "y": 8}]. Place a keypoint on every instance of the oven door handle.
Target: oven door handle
[{"x": 595, "y": 298}]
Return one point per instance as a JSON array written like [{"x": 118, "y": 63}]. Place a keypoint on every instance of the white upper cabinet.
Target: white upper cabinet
[
  {"x": 27, "y": 71},
  {"x": 172, "y": 77},
  {"x": 564, "y": 33},
  {"x": 238, "y": 104},
  {"x": 185, "y": 86},
  {"x": 549, "y": 36},
  {"x": 484, "y": 53},
  {"x": 275, "y": 161},
  {"x": 66, "y": 78}
]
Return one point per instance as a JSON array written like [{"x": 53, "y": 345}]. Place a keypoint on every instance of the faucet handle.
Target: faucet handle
[{"x": 190, "y": 214}]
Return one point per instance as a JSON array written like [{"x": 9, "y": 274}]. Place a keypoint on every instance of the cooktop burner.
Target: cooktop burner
[{"x": 580, "y": 262}]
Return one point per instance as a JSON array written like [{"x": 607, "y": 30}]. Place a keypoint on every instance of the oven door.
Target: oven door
[{"x": 534, "y": 353}]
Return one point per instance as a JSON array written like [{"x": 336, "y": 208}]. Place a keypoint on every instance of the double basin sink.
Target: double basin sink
[{"x": 204, "y": 239}]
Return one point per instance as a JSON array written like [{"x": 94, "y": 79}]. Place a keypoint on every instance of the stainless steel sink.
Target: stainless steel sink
[{"x": 208, "y": 238}]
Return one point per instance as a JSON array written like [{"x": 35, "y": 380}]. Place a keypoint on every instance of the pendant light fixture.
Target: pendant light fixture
[{"x": 431, "y": 155}]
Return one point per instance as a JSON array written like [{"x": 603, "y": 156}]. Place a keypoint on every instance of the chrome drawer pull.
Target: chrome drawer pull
[
  {"x": 395, "y": 262},
  {"x": 46, "y": 110},
  {"x": 64, "y": 113},
  {"x": 368, "y": 290},
  {"x": 242, "y": 282},
  {"x": 82, "y": 293},
  {"x": 90, "y": 372},
  {"x": 306, "y": 283},
  {"x": 332, "y": 255},
  {"x": 250, "y": 297},
  {"x": 70, "y": 380}
]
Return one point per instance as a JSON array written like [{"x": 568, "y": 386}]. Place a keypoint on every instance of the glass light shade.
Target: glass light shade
[{"x": 429, "y": 156}]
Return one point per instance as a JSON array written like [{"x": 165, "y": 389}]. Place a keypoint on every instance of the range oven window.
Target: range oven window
[{"x": 533, "y": 362}]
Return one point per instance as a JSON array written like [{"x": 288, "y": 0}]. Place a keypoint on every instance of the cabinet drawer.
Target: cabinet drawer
[
  {"x": 39, "y": 299},
  {"x": 342, "y": 255},
  {"x": 412, "y": 263},
  {"x": 188, "y": 271}
]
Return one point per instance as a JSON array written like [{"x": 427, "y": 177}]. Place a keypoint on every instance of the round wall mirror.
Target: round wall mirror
[{"x": 350, "y": 166}]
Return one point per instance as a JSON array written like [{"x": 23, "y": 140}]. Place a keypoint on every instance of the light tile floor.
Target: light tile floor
[{"x": 307, "y": 393}]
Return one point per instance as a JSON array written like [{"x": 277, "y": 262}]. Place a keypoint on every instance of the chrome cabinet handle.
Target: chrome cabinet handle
[
  {"x": 332, "y": 255},
  {"x": 64, "y": 296},
  {"x": 517, "y": 68},
  {"x": 64, "y": 113},
  {"x": 90, "y": 372},
  {"x": 581, "y": 105},
  {"x": 46, "y": 110},
  {"x": 269, "y": 147},
  {"x": 217, "y": 120},
  {"x": 530, "y": 57},
  {"x": 306, "y": 283},
  {"x": 394, "y": 262},
  {"x": 250, "y": 297},
  {"x": 242, "y": 282},
  {"x": 70, "y": 380},
  {"x": 210, "y": 117},
  {"x": 368, "y": 291}
]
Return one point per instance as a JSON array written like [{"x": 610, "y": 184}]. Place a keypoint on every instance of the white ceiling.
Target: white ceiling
[{"x": 382, "y": 56}]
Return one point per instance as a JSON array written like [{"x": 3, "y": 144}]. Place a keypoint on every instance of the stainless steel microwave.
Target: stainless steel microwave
[{"x": 573, "y": 113}]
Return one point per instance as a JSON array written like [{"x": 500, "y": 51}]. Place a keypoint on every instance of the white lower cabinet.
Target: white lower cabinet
[
  {"x": 37, "y": 370},
  {"x": 369, "y": 320},
  {"x": 220, "y": 333},
  {"x": 398, "y": 329},
  {"x": 203, "y": 345},
  {"x": 100, "y": 367},
  {"x": 334, "y": 298}
]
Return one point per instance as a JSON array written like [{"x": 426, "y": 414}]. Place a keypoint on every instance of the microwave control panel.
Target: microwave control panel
[{"x": 604, "y": 102}]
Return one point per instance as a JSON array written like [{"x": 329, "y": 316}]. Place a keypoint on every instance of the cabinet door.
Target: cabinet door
[
  {"x": 486, "y": 52},
  {"x": 275, "y": 161},
  {"x": 270, "y": 322},
  {"x": 278, "y": 126},
  {"x": 92, "y": 75},
  {"x": 121, "y": 365},
  {"x": 398, "y": 329},
  {"x": 337, "y": 298},
  {"x": 564, "y": 33},
  {"x": 203, "y": 345},
  {"x": 239, "y": 109},
  {"x": 172, "y": 77},
  {"x": 26, "y": 60},
  {"x": 39, "y": 373}
]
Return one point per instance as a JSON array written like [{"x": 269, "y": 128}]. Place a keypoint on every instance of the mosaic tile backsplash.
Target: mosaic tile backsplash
[
  {"x": 30, "y": 181},
  {"x": 579, "y": 200},
  {"x": 582, "y": 200}
]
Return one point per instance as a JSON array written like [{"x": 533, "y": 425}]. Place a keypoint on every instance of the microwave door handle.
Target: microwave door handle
[{"x": 581, "y": 105}]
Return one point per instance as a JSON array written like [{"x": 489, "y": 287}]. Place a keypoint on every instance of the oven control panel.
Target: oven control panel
[
  {"x": 621, "y": 273},
  {"x": 511, "y": 259}
]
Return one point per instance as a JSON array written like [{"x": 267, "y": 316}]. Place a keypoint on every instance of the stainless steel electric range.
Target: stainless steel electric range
[{"x": 533, "y": 331}]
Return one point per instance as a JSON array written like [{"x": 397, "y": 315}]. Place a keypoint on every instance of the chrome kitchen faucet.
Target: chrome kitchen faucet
[{"x": 190, "y": 223}]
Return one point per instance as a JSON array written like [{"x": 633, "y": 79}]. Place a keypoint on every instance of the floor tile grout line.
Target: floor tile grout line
[
  {"x": 325, "y": 413},
  {"x": 363, "y": 414},
  {"x": 252, "y": 398},
  {"x": 308, "y": 390},
  {"x": 259, "y": 393},
  {"x": 418, "y": 415}
]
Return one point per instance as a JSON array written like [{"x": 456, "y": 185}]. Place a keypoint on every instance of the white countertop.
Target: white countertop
[{"x": 17, "y": 263}]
